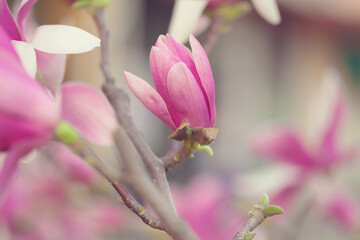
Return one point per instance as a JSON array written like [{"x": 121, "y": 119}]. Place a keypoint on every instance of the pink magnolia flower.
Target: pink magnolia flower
[
  {"x": 312, "y": 164},
  {"x": 44, "y": 50},
  {"x": 28, "y": 114},
  {"x": 184, "y": 84}
]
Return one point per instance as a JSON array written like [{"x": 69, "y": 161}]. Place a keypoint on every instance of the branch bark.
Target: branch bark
[
  {"x": 254, "y": 219},
  {"x": 138, "y": 179},
  {"x": 120, "y": 102},
  {"x": 81, "y": 149}
]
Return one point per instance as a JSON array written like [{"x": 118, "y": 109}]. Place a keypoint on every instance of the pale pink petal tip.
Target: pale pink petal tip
[
  {"x": 85, "y": 108},
  {"x": 150, "y": 98}
]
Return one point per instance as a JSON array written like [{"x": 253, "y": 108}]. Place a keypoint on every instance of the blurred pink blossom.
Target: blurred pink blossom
[
  {"x": 43, "y": 205},
  {"x": 184, "y": 84},
  {"x": 29, "y": 121},
  {"x": 317, "y": 161},
  {"x": 205, "y": 203}
]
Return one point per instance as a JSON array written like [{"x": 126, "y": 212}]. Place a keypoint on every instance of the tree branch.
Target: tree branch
[
  {"x": 138, "y": 179},
  {"x": 99, "y": 17},
  {"x": 254, "y": 219},
  {"x": 261, "y": 211},
  {"x": 81, "y": 149},
  {"x": 120, "y": 102}
]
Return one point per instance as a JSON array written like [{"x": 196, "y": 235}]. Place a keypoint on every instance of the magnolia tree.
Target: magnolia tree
[{"x": 61, "y": 123}]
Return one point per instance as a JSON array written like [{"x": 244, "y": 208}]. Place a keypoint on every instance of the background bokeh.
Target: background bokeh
[{"x": 263, "y": 74}]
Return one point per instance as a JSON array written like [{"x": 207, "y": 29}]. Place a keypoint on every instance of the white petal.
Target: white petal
[
  {"x": 27, "y": 56},
  {"x": 63, "y": 39},
  {"x": 185, "y": 17},
  {"x": 268, "y": 9}
]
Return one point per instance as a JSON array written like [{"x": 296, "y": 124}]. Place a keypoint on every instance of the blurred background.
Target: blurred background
[{"x": 265, "y": 76}]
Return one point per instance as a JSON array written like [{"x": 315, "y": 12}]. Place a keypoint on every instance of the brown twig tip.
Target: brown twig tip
[
  {"x": 194, "y": 139},
  {"x": 203, "y": 136}
]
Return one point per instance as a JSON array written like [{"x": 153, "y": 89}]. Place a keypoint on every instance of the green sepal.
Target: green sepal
[
  {"x": 204, "y": 148},
  {"x": 66, "y": 133},
  {"x": 250, "y": 236},
  {"x": 264, "y": 199},
  {"x": 272, "y": 210},
  {"x": 90, "y": 3}
]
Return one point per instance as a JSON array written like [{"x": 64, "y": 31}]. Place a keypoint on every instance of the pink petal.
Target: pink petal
[
  {"x": 13, "y": 130},
  {"x": 28, "y": 99},
  {"x": 187, "y": 97},
  {"x": 9, "y": 170},
  {"x": 7, "y": 50},
  {"x": 63, "y": 39},
  {"x": 161, "y": 60},
  {"x": 25, "y": 7},
  {"x": 204, "y": 70},
  {"x": 150, "y": 98},
  {"x": 7, "y": 22},
  {"x": 282, "y": 144},
  {"x": 21, "y": 98},
  {"x": 85, "y": 108},
  {"x": 52, "y": 69},
  {"x": 19, "y": 150},
  {"x": 183, "y": 54}
]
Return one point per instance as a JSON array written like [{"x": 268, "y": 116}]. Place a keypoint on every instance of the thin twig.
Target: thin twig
[
  {"x": 173, "y": 156},
  {"x": 173, "y": 149},
  {"x": 120, "y": 102},
  {"x": 254, "y": 219},
  {"x": 139, "y": 180},
  {"x": 99, "y": 17},
  {"x": 85, "y": 152}
]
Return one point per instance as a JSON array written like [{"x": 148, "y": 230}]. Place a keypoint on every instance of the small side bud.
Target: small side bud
[
  {"x": 141, "y": 210},
  {"x": 204, "y": 148},
  {"x": 121, "y": 200},
  {"x": 66, "y": 133},
  {"x": 264, "y": 199},
  {"x": 250, "y": 236},
  {"x": 272, "y": 210}
]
